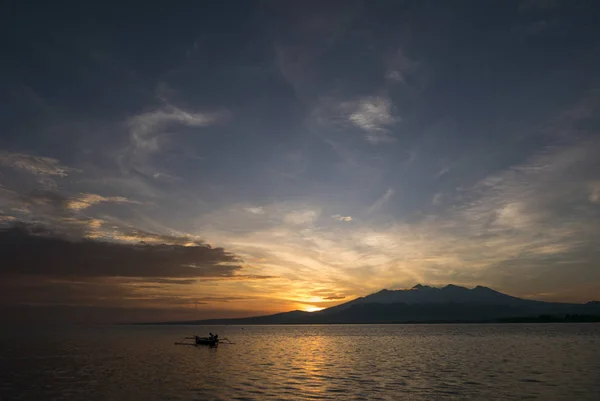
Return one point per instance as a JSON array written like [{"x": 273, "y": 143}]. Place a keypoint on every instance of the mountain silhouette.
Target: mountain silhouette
[
  {"x": 423, "y": 303},
  {"x": 423, "y": 294}
]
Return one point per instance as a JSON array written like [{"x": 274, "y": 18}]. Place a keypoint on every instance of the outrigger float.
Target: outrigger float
[{"x": 212, "y": 341}]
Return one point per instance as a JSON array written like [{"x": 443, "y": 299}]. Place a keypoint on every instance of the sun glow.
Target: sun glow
[{"x": 312, "y": 308}]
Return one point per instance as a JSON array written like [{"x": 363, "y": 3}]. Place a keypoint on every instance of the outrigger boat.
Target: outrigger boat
[{"x": 212, "y": 340}]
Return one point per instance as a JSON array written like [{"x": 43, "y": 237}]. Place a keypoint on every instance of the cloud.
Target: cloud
[
  {"x": 151, "y": 132},
  {"x": 555, "y": 182},
  {"x": 595, "y": 192},
  {"x": 255, "y": 210},
  {"x": 442, "y": 172},
  {"x": 161, "y": 280},
  {"x": 39, "y": 203},
  {"x": 35, "y": 251},
  {"x": 144, "y": 128},
  {"x": 373, "y": 115},
  {"x": 6, "y": 218},
  {"x": 50, "y": 208},
  {"x": 174, "y": 276},
  {"x": 84, "y": 201},
  {"x": 400, "y": 67},
  {"x": 335, "y": 297},
  {"x": 136, "y": 236},
  {"x": 378, "y": 204},
  {"x": 341, "y": 218},
  {"x": 37, "y": 165},
  {"x": 165, "y": 177},
  {"x": 327, "y": 294},
  {"x": 533, "y": 215},
  {"x": 510, "y": 229},
  {"x": 301, "y": 217}
]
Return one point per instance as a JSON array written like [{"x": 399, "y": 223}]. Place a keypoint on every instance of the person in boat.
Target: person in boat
[{"x": 210, "y": 336}]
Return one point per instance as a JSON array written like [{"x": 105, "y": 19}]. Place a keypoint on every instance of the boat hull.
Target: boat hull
[{"x": 206, "y": 341}]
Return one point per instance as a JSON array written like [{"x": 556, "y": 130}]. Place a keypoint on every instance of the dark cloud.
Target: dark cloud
[
  {"x": 30, "y": 250},
  {"x": 60, "y": 272},
  {"x": 44, "y": 207},
  {"x": 328, "y": 295},
  {"x": 177, "y": 281}
]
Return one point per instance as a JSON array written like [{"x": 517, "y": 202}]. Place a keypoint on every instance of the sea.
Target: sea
[{"x": 305, "y": 362}]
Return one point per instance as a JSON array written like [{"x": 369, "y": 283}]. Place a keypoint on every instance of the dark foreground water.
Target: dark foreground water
[{"x": 388, "y": 362}]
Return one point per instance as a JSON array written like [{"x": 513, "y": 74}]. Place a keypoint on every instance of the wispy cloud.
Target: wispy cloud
[
  {"x": 38, "y": 204},
  {"x": 37, "y": 165},
  {"x": 255, "y": 210},
  {"x": 84, "y": 201},
  {"x": 442, "y": 172},
  {"x": 382, "y": 200},
  {"x": 6, "y": 218},
  {"x": 145, "y": 128},
  {"x": 400, "y": 67},
  {"x": 373, "y": 115},
  {"x": 301, "y": 217},
  {"x": 510, "y": 228},
  {"x": 341, "y": 218}
]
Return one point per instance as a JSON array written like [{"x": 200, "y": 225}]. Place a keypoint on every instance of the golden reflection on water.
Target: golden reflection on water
[
  {"x": 312, "y": 355},
  {"x": 390, "y": 362}
]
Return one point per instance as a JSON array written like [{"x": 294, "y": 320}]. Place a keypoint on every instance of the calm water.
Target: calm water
[{"x": 388, "y": 362}]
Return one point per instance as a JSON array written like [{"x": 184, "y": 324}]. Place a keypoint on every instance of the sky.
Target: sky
[{"x": 188, "y": 160}]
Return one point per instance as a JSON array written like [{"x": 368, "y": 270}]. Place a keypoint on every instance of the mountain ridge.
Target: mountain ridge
[{"x": 421, "y": 303}]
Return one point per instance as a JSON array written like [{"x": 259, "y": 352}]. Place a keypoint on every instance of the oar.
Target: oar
[
  {"x": 181, "y": 342},
  {"x": 185, "y": 338}
]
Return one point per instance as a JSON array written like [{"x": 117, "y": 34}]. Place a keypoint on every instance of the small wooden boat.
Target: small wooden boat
[
  {"x": 206, "y": 341},
  {"x": 212, "y": 341}
]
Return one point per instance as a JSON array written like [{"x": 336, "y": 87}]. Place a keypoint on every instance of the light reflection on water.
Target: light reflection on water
[{"x": 388, "y": 362}]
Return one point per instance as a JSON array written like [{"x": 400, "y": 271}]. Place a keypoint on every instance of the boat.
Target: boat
[
  {"x": 206, "y": 341},
  {"x": 211, "y": 340}
]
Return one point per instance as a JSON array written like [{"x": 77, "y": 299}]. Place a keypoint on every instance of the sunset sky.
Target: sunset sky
[{"x": 281, "y": 155}]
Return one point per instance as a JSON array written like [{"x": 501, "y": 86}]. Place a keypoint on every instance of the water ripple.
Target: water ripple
[{"x": 394, "y": 362}]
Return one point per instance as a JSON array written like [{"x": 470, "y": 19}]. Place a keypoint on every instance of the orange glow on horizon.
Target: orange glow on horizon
[{"x": 311, "y": 308}]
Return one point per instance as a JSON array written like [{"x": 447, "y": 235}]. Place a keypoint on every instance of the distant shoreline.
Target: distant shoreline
[{"x": 512, "y": 320}]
